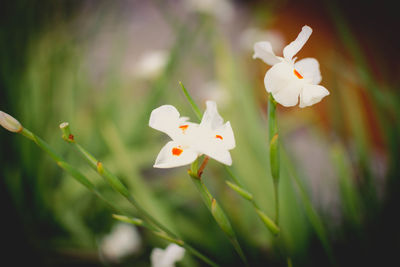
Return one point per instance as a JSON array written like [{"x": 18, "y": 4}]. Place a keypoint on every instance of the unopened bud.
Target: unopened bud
[
  {"x": 10, "y": 123},
  {"x": 66, "y": 132}
]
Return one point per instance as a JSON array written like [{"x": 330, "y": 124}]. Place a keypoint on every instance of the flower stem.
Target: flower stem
[
  {"x": 274, "y": 151},
  {"x": 193, "y": 104},
  {"x": 213, "y": 206},
  {"x": 238, "y": 188}
]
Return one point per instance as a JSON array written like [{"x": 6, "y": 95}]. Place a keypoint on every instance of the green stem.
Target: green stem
[
  {"x": 274, "y": 151},
  {"x": 76, "y": 174},
  {"x": 193, "y": 104},
  {"x": 311, "y": 213},
  {"x": 268, "y": 222},
  {"x": 276, "y": 190},
  {"x": 213, "y": 206}
]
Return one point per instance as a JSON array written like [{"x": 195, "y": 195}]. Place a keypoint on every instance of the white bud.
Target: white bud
[{"x": 10, "y": 123}]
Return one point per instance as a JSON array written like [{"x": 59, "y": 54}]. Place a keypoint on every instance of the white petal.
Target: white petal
[
  {"x": 312, "y": 94},
  {"x": 217, "y": 152},
  {"x": 173, "y": 155},
  {"x": 224, "y": 136},
  {"x": 167, "y": 257},
  {"x": 173, "y": 253},
  {"x": 278, "y": 76},
  {"x": 123, "y": 240},
  {"x": 263, "y": 51},
  {"x": 291, "y": 49},
  {"x": 282, "y": 82},
  {"x": 9, "y": 123},
  {"x": 288, "y": 96},
  {"x": 309, "y": 69},
  {"x": 166, "y": 119},
  {"x": 156, "y": 257},
  {"x": 211, "y": 118}
]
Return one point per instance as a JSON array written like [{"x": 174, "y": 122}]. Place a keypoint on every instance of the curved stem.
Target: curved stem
[{"x": 274, "y": 151}]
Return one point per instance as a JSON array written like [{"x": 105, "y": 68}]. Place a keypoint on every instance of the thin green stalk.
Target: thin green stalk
[
  {"x": 268, "y": 222},
  {"x": 141, "y": 223},
  {"x": 213, "y": 206},
  {"x": 193, "y": 104},
  {"x": 118, "y": 186},
  {"x": 311, "y": 213},
  {"x": 76, "y": 174},
  {"x": 274, "y": 151}
]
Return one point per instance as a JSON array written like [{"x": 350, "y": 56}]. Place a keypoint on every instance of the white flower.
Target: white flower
[
  {"x": 167, "y": 257},
  {"x": 10, "y": 123},
  {"x": 189, "y": 140},
  {"x": 251, "y": 35},
  {"x": 123, "y": 240},
  {"x": 287, "y": 80},
  {"x": 221, "y": 9},
  {"x": 215, "y": 91},
  {"x": 151, "y": 64}
]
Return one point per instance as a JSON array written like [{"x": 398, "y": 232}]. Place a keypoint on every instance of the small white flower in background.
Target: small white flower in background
[
  {"x": 123, "y": 240},
  {"x": 287, "y": 80},
  {"x": 168, "y": 257},
  {"x": 221, "y": 9},
  {"x": 216, "y": 92},
  {"x": 251, "y": 35},
  {"x": 9, "y": 123},
  {"x": 151, "y": 64},
  {"x": 190, "y": 140}
]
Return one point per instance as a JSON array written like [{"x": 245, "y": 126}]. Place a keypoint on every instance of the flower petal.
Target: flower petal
[
  {"x": 174, "y": 155},
  {"x": 309, "y": 69},
  {"x": 167, "y": 257},
  {"x": 217, "y": 152},
  {"x": 288, "y": 96},
  {"x": 281, "y": 81},
  {"x": 291, "y": 49},
  {"x": 211, "y": 118},
  {"x": 278, "y": 76},
  {"x": 312, "y": 94},
  {"x": 263, "y": 51},
  {"x": 224, "y": 136},
  {"x": 166, "y": 119}
]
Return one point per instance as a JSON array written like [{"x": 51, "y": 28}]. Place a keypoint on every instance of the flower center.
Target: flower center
[
  {"x": 176, "y": 151},
  {"x": 297, "y": 74},
  {"x": 218, "y": 136}
]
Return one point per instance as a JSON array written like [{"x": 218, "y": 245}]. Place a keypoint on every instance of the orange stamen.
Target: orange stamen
[
  {"x": 176, "y": 151},
  {"x": 218, "y": 136},
  {"x": 184, "y": 127},
  {"x": 298, "y": 74}
]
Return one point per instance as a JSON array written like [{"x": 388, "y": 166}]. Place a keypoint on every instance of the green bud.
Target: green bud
[
  {"x": 240, "y": 191},
  {"x": 122, "y": 218},
  {"x": 10, "y": 123},
  {"x": 221, "y": 218},
  {"x": 268, "y": 222},
  {"x": 66, "y": 132}
]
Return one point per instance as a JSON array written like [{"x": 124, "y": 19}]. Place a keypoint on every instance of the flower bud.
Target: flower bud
[{"x": 10, "y": 123}]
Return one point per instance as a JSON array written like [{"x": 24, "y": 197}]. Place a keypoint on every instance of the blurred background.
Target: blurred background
[{"x": 104, "y": 65}]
